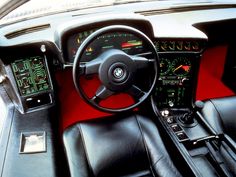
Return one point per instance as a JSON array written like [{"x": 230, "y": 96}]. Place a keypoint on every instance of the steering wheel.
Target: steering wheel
[{"x": 117, "y": 71}]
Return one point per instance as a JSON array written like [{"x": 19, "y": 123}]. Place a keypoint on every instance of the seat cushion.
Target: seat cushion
[{"x": 115, "y": 146}]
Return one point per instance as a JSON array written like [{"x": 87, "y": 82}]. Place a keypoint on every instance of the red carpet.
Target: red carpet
[
  {"x": 210, "y": 74},
  {"x": 74, "y": 108}
]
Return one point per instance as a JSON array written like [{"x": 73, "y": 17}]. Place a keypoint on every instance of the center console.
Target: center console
[
  {"x": 179, "y": 63},
  {"x": 179, "y": 118}
]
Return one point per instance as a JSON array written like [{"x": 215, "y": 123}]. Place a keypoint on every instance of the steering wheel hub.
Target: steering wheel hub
[
  {"x": 118, "y": 73},
  {"x": 117, "y": 70}
]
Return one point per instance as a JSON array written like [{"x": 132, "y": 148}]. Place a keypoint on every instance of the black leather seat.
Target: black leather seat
[
  {"x": 221, "y": 115},
  {"x": 110, "y": 147}
]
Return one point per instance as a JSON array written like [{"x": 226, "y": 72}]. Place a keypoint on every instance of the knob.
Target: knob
[
  {"x": 187, "y": 118},
  {"x": 171, "y": 103},
  {"x": 198, "y": 106},
  {"x": 165, "y": 113}
]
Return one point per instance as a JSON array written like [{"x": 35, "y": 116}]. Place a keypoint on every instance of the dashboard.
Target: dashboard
[
  {"x": 179, "y": 60},
  {"x": 126, "y": 42},
  {"x": 57, "y": 42}
]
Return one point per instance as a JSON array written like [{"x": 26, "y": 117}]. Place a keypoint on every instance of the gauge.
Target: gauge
[
  {"x": 164, "y": 66},
  {"x": 181, "y": 66},
  {"x": 127, "y": 42}
]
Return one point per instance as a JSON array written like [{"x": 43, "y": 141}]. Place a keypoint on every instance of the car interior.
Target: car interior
[{"x": 128, "y": 89}]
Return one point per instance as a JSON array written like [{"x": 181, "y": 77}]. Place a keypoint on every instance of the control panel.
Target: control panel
[
  {"x": 32, "y": 82},
  {"x": 175, "y": 84},
  {"x": 31, "y": 75}
]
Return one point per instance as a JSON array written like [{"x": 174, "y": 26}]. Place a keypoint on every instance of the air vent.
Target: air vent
[{"x": 26, "y": 31}]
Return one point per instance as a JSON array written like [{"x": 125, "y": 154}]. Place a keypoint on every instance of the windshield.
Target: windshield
[
  {"x": 23, "y": 9},
  {"x": 40, "y": 7}
]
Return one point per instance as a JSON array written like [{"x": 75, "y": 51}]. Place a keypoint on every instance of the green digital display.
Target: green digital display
[{"x": 31, "y": 75}]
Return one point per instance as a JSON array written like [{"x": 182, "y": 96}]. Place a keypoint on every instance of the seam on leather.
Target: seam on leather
[
  {"x": 221, "y": 118},
  {"x": 158, "y": 160},
  {"x": 85, "y": 151},
  {"x": 145, "y": 145},
  {"x": 66, "y": 149}
]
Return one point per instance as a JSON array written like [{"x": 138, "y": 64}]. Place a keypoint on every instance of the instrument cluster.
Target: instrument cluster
[
  {"x": 124, "y": 41},
  {"x": 177, "y": 62},
  {"x": 175, "y": 84},
  {"x": 180, "y": 67}
]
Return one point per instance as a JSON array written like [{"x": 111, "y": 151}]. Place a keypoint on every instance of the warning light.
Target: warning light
[{"x": 89, "y": 49}]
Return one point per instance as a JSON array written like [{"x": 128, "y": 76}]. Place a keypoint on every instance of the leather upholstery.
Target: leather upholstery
[
  {"x": 221, "y": 115},
  {"x": 113, "y": 146}
]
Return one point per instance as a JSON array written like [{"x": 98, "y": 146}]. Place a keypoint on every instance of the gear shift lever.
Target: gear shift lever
[{"x": 187, "y": 118}]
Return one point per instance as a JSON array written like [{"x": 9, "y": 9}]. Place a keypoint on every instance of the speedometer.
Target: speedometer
[{"x": 181, "y": 66}]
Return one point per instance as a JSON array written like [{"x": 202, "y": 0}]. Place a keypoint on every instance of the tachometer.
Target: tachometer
[{"x": 181, "y": 66}]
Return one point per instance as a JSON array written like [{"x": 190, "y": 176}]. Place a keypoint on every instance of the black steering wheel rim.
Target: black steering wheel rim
[{"x": 78, "y": 68}]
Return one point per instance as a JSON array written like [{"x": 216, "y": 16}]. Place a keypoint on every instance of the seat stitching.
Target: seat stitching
[
  {"x": 158, "y": 160},
  {"x": 221, "y": 118},
  {"x": 145, "y": 145},
  {"x": 85, "y": 151}
]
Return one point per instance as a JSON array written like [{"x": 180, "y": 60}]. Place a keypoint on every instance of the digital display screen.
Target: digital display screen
[
  {"x": 31, "y": 75},
  {"x": 124, "y": 41},
  {"x": 174, "y": 87}
]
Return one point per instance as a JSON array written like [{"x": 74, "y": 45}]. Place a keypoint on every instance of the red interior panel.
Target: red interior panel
[{"x": 210, "y": 74}]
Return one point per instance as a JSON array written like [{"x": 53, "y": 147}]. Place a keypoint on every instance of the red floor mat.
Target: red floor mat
[
  {"x": 210, "y": 74},
  {"x": 74, "y": 108}
]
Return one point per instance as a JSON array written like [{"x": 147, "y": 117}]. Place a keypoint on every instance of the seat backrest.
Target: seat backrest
[
  {"x": 221, "y": 115},
  {"x": 114, "y": 146}
]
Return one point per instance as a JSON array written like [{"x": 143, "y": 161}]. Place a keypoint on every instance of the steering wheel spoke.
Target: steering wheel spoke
[
  {"x": 136, "y": 92},
  {"x": 142, "y": 62},
  {"x": 92, "y": 66},
  {"x": 101, "y": 94}
]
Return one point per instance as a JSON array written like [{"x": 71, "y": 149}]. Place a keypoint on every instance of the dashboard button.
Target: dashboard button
[
  {"x": 181, "y": 136},
  {"x": 176, "y": 128}
]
